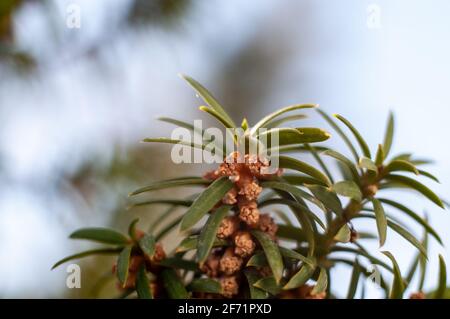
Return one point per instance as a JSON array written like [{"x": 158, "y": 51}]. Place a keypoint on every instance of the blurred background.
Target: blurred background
[{"x": 77, "y": 96}]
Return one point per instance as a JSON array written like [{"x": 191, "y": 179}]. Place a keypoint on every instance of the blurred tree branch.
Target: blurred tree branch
[{"x": 8, "y": 51}]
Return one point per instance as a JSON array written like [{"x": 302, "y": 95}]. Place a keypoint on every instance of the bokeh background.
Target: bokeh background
[{"x": 75, "y": 102}]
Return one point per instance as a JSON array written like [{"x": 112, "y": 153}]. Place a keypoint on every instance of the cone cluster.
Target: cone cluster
[
  {"x": 151, "y": 264},
  {"x": 225, "y": 264}
]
